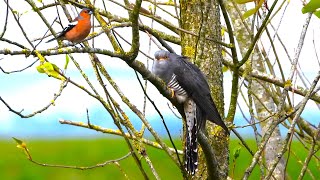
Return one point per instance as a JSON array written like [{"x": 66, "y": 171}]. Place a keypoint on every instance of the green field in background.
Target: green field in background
[{"x": 88, "y": 152}]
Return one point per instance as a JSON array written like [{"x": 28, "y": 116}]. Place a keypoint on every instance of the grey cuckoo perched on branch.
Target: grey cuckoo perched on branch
[{"x": 189, "y": 86}]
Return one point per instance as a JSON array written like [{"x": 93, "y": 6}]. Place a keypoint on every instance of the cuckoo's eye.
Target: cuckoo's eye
[{"x": 161, "y": 54}]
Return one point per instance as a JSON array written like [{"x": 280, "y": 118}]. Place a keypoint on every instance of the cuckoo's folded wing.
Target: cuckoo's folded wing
[{"x": 191, "y": 79}]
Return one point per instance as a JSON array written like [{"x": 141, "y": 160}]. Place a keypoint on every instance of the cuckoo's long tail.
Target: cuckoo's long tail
[{"x": 191, "y": 146}]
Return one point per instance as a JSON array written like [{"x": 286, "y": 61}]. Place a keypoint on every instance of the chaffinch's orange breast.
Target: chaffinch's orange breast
[{"x": 80, "y": 31}]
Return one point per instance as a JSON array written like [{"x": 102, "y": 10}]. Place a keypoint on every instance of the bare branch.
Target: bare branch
[
  {"x": 52, "y": 102},
  {"x": 114, "y": 132}
]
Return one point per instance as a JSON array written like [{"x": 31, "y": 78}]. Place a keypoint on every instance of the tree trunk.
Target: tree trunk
[
  {"x": 273, "y": 146},
  {"x": 203, "y": 18}
]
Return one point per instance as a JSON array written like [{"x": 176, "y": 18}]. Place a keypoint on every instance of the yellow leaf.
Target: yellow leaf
[
  {"x": 288, "y": 83},
  {"x": 41, "y": 58},
  {"x": 225, "y": 69},
  {"x": 40, "y": 69},
  {"x": 67, "y": 61},
  {"x": 223, "y": 53},
  {"x": 243, "y": 1},
  {"x": 50, "y": 69},
  {"x": 21, "y": 144},
  {"x": 55, "y": 67},
  {"x": 249, "y": 13},
  {"x": 223, "y": 30},
  {"x": 48, "y": 66},
  {"x": 18, "y": 141},
  {"x": 254, "y": 10},
  {"x": 55, "y": 74},
  {"x": 52, "y": 102}
]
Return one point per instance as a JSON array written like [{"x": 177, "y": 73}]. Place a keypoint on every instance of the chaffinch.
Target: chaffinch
[{"x": 78, "y": 30}]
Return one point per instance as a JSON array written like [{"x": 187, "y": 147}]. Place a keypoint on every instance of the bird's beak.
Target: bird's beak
[{"x": 90, "y": 12}]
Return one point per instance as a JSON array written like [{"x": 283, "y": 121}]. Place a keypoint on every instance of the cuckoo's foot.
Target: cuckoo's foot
[{"x": 172, "y": 92}]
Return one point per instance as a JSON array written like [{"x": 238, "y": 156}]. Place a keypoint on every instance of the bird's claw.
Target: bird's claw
[{"x": 172, "y": 92}]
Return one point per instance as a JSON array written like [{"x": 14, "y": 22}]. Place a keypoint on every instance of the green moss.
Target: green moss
[
  {"x": 6, "y": 51},
  {"x": 189, "y": 51}
]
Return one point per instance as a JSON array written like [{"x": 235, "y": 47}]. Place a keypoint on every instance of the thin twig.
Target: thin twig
[
  {"x": 114, "y": 132},
  {"x": 20, "y": 70},
  {"x": 52, "y": 102},
  {"x": 80, "y": 167}
]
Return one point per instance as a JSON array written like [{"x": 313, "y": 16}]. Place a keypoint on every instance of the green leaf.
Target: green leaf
[
  {"x": 67, "y": 62},
  {"x": 21, "y": 144},
  {"x": 50, "y": 69},
  {"x": 55, "y": 67},
  {"x": 40, "y": 69},
  {"x": 52, "y": 102},
  {"x": 236, "y": 152},
  {"x": 249, "y": 13},
  {"x": 225, "y": 69},
  {"x": 55, "y": 74},
  {"x": 312, "y": 6},
  {"x": 18, "y": 141},
  {"x": 48, "y": 66},
  {"x": 243, "y": 1},
  {"x": 15, "y": 12},
  {"x": 317, "y": 13},
  {"x": 41, "y": 58}
]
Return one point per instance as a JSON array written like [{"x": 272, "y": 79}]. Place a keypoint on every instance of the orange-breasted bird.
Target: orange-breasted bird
[{"x": 78, "y": 30}]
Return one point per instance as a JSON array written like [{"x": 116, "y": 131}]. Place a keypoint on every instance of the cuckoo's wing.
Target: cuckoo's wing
[{"x": 191, "y": 79}]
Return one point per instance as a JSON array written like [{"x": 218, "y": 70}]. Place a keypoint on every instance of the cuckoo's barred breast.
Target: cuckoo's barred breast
[{"x": 179, "y": 92}]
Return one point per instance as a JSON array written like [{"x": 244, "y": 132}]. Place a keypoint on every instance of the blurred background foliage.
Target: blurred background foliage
[{"x": 87, "y": 152}]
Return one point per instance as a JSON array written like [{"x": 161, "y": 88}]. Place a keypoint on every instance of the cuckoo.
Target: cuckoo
[{"x": 190, "y": 87}]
